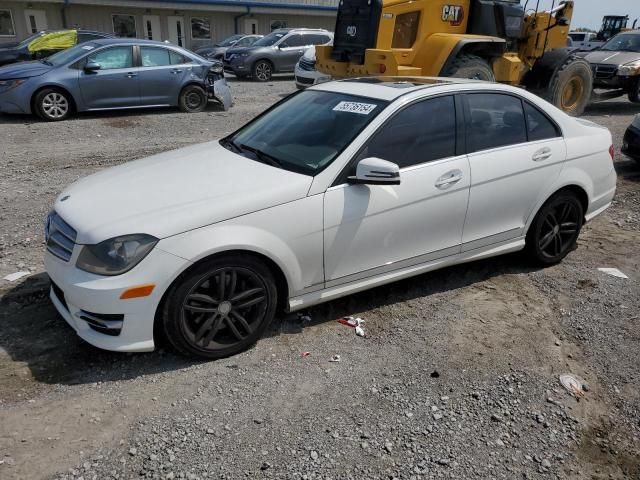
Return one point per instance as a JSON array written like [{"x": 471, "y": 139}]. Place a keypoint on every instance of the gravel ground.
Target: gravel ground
[{"x": 456, "y": 378}]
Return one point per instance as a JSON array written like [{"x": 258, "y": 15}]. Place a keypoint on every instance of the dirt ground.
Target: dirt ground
[{"x": 457, "y": 377}]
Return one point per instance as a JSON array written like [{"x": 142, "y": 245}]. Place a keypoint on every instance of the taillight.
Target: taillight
[
  {"x": 383, "y": 68},
  {"x": 612, "y": 151}
]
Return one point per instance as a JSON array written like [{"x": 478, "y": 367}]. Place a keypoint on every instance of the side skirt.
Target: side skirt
[{"x": 327, "y": 294}]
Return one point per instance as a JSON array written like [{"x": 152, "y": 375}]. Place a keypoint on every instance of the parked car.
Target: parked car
[
  {"x": 584, "y": 40},
  {"x": 22, "y": 51},
  {"x": 336, "y": 189},
  {"x": 305, "y": 72},
  {"x": 616, "y": 65},
  {"x": 216, "y": 51},
  {"x": 631, "y": 142},
  {"x": 275, "y": 53},
  {"x": 111, "y": 74}
]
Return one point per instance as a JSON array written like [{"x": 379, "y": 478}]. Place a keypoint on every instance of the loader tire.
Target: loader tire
[
  {"x": 571, "y": 86},
  {"x": 634, "y": 91},
  {"x": 470, "y": 66}
]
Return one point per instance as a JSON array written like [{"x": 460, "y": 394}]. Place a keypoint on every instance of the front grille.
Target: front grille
[
  {"x": 604, "y": 72},
  {"x": 306, "y": 64},
  {"x": 60, "y": 237},
  {"x": 304, "y": 81}
]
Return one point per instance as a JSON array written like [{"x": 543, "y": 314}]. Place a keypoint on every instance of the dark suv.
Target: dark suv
[
  {"x": 277, "y": 52},
  {"x": 19, "y": 52}
]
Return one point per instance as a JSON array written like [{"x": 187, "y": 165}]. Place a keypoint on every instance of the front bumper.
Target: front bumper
[
  {"x": 631, "y": 143},
  {"x": 308, "y": 78},
  {"x": 86, "y": 300},
  {"x": 220, "y": 91},
  {"x": 16, "y": 100}
]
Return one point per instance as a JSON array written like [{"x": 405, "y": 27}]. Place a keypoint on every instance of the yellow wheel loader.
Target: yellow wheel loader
[{"x": 494, "y": 40}]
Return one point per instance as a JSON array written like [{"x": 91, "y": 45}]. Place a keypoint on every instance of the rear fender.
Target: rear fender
[{"x": 445, "y": 48}]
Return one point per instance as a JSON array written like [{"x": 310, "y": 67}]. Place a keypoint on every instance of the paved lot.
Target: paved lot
[{"x": 457, "y": 378}]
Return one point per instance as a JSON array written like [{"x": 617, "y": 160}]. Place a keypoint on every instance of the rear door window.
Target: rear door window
[
  {"x": 539, "y": 127},
  {"x": 154, "y": 57},
  {"x": 494, "y": 120},
  {"x": 295, "y": 40}
]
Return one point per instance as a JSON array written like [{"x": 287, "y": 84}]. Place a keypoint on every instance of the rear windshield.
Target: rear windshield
[{"x": 306, "y": 132}]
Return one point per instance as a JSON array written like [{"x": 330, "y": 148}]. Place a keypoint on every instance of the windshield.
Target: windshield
[
  {"x": 30, "y": 39},
  {"x": 269, "y": 39},
  {"x": 65, "y": 56},
  {"x": 227, "y": 42},
  {"x": 305, "y": 132},
  {"x": 626, "y": 42}
]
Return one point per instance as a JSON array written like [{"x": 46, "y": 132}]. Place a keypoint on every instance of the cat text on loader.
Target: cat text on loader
[{"x": 491, "y": 40}]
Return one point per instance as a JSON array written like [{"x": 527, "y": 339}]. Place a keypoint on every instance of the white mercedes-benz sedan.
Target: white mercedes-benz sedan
[{"x": 339, "y": 188}]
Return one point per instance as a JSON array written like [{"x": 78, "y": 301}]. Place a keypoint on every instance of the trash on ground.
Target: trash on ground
[
  {"x": 572, "y": 385},
  {"x": 335, "y": 358},
  {"x": 305, "y": 354},
  {"x": 12, "y": 277},
  {"x": 304, "y": 318},
  {"x": 354, "y": 323},
  {"x": 435, "y": 374},
  {"x": 614, "y": 272}
]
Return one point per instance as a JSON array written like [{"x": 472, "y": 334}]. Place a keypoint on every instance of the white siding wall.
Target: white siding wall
[{"x": 98, "y": 17}]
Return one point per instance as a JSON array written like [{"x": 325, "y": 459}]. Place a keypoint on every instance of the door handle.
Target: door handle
[
  {"x": 542, "y": 154},
  {"x": 131, "y": 75},
  {"x": 176, "y": 70},
  {"x": 448, "y": 179}
]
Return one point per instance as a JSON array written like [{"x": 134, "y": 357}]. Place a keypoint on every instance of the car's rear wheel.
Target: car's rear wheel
[
  {"x": 555, "y": 229},
  {"x": 193, "y": 99},
  {"x": 52, "y": 104},
  {"x": 634, "y": 92},
  {"x": 262, "y": 71},
  {"x": 221, "y": 307}
]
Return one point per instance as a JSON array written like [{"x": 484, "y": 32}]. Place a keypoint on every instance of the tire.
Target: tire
[
  {"x": 193, "y": 99},
  {"x": 546, "y": 244},
  {"x": 571, "y": 86},
  {"x": 262, "y": 71},
  {"x": 634, "y": 93},
  {"x": 53, "y": 105},
  {"x": 196, "y": 323},
  {"x": 470, "y": 66}
]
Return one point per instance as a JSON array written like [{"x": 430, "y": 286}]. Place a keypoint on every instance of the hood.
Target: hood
[
  {"x": 175, "y": 191},
  {"x": 611, "y": 58},
  {"x": 8, "y": 46},
  {"x": 246, "y": 49},
  {"x": 24, "y": 70},
  {"x": 211, "y": 50}
]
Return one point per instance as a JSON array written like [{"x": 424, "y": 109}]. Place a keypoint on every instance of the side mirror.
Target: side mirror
[
  {"x": 91, "y": 67},
  {"x": 375, "y": 171}
]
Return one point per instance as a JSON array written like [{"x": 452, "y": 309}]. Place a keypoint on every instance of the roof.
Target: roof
[
  {"x": 390, "y": 88},
  {"x": 137, "y": 41}
]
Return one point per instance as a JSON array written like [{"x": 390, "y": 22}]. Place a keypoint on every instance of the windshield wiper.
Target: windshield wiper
[
  {"x": 227, "y": 142},
  {"x": 262, "y": 156},
  {"x": 47, "y": 62}
]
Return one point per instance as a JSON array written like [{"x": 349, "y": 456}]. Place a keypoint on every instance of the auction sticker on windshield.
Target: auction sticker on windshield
[{"x": 355, "y": 107}]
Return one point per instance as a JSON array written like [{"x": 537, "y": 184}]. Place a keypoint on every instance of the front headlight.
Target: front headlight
[
  {"x": 116, "y": 255},
  {"x": 216, "y": 68},
  {"x": 245, "y": 54},
  {"x": 6, "y": 85},
  {"x": 629, "y": 69},
  {"x": 636, "y": 122}
]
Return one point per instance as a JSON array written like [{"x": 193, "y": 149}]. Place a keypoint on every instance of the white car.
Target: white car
[
  {"x": 305, "y": 72},
  {"x": 584, "y": 40},
  {"x": 339, "y": 188}
]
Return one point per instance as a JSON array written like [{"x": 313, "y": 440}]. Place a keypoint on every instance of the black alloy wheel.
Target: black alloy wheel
[
  {"x": 222, "y": 308},
  {"x": 555, "y": 229}
]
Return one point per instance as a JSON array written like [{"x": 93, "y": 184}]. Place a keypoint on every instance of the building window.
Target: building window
[
  {"x": 276, "y": 24},
  {"x": 200, "y": 28},
  {"x": 124, "y": 25},
  {"x": 6, "y": 24}
]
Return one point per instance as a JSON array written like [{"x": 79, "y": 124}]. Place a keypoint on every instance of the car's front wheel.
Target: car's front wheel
[
  {"x": 52, "y": 104},
  {"x": 262, "y": 71},
  {"x": 220, "y": 307},
  {"x": 193, "y": 99},
  {"x": 555, "y": 229}
]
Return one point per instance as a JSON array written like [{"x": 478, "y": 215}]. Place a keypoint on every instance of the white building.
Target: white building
[{"x": 190, "y": 23}]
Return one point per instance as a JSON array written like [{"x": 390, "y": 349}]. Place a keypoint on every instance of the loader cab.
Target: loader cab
[{"x": 611, "y": 26}]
